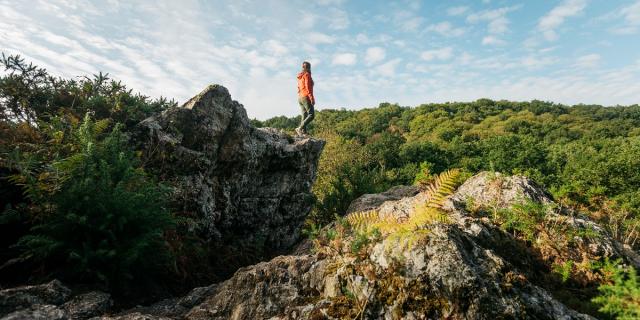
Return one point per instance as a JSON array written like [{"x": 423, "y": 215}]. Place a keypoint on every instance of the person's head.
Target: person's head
[{"x": 306, "y": 66}]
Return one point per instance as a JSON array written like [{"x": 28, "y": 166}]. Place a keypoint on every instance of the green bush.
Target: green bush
[
  {"x": 107, "y": 218},
  {"x": 621, "y": 296}
]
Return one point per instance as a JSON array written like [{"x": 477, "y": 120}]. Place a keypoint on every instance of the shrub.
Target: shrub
[
  {"x": 620, "y": 297},
  {"x": 107, "y": 218}
]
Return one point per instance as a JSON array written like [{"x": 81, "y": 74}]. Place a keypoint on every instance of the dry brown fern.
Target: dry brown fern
[{"x": 425, "y": 213}]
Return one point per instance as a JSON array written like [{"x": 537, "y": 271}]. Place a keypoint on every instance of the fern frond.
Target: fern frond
[
  {"x": 410, "y": 230},
  {"x": 442, "y": 187},
  {"x": 363, "y": 219},
  {"x": 100, "y": 126}
]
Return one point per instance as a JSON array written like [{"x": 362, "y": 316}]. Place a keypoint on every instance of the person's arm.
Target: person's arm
[{"x": 308, "y": 84}]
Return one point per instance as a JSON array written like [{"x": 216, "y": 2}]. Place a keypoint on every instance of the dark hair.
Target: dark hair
[{"x": 306, "y": 65}]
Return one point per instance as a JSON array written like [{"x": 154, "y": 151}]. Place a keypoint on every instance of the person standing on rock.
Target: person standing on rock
[{"x": 305, "y": 97}]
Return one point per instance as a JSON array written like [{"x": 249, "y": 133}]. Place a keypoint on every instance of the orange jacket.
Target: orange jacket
[{"x": 305, "y": 86}]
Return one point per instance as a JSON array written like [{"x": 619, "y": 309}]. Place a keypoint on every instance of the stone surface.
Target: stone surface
[
  {"x": 247, "y": 187},
  {"x": 38, "y": 312},
  {"x": 51, "y": 293},
  {"x": 88, "y": 305},
  {"x": 51, "y": 300},
  {"x": 493, "y": 189},
  {"x": 374, "y": 201}
]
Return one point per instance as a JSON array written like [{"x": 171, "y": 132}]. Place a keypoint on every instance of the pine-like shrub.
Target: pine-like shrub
[
  {"x": 107, "y": 217},
  {"x": 620, "y": 297}
]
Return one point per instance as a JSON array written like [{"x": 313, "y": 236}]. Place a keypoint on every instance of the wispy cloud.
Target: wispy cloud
[
  {"x": 497, "y": 23},
  {"x": 446, "y": 29},
  {"x": 388, "y": 69},
  {"x": 493, "y": 41},
  {"x": 588, "y": 61},
  {"x": 456, "y": 11},
  {"x": 344, "y": 59},
  {"x": 556, "y": 17},
  {"x": 408, "y": 20},
  {"x": 627, "y": 19},
  {"x": 374, "y": 55},
  {"x": 320, "y": 38},
  {"x": 338, "y": 19},
  {"x": 437, "y": 54}
]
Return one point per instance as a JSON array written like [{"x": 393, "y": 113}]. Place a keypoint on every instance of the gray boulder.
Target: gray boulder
[
  {"x": 38, "y": 312},
  {"x": 246, "y": 187},
  {"x": 88, "y": 305},
  {"x": 51, "y": 293},
  {"x": 51, "y": 300}
]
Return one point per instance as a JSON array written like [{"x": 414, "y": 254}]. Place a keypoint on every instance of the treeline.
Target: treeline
[{"x": 588, "y": 156}]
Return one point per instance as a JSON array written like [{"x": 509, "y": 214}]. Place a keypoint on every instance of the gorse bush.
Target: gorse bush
[{"x": 106, "y": 218}]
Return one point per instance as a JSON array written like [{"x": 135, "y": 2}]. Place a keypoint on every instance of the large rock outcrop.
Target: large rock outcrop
[
  {"x": 467, "y": 268},
  {"x": 248, "y": 188}
]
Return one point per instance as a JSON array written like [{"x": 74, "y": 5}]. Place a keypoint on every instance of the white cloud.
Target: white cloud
[
  {"x": 446, "y": 29},
  {"x": 556, "y": 17},
  {"x": 388, "y": 69},
  {"x": 374, "y": 54},
  {"x": 408, "y": 20},
  {"x": 320, "y": 38},
  {"x": 588, "y": 61},
  {"x": 456, "y": 11},
  {"x": 275, "y": 47},
  {"x": 437, "y": 54},
  {"x": 492, "y": 41},
  {"x": 345, "y": 59},
  {"x": 534, "y": 62},
  {"x": 497, "y": 22}
]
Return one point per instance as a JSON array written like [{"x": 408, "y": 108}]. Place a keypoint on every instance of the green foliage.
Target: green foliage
[
  {"x": 107, "y": 218},
  {"x": 620, "y": 297},
  {"x": 564, "y": 270},
  {"x": 424, "y": 176},
  {"x": 345, "y": 172},
  {"x": 523, "y": 218},
  {"x": 362, "y": 239}
]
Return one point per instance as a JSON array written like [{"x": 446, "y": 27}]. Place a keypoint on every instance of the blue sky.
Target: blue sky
[{"x": 362, "y": 52}]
